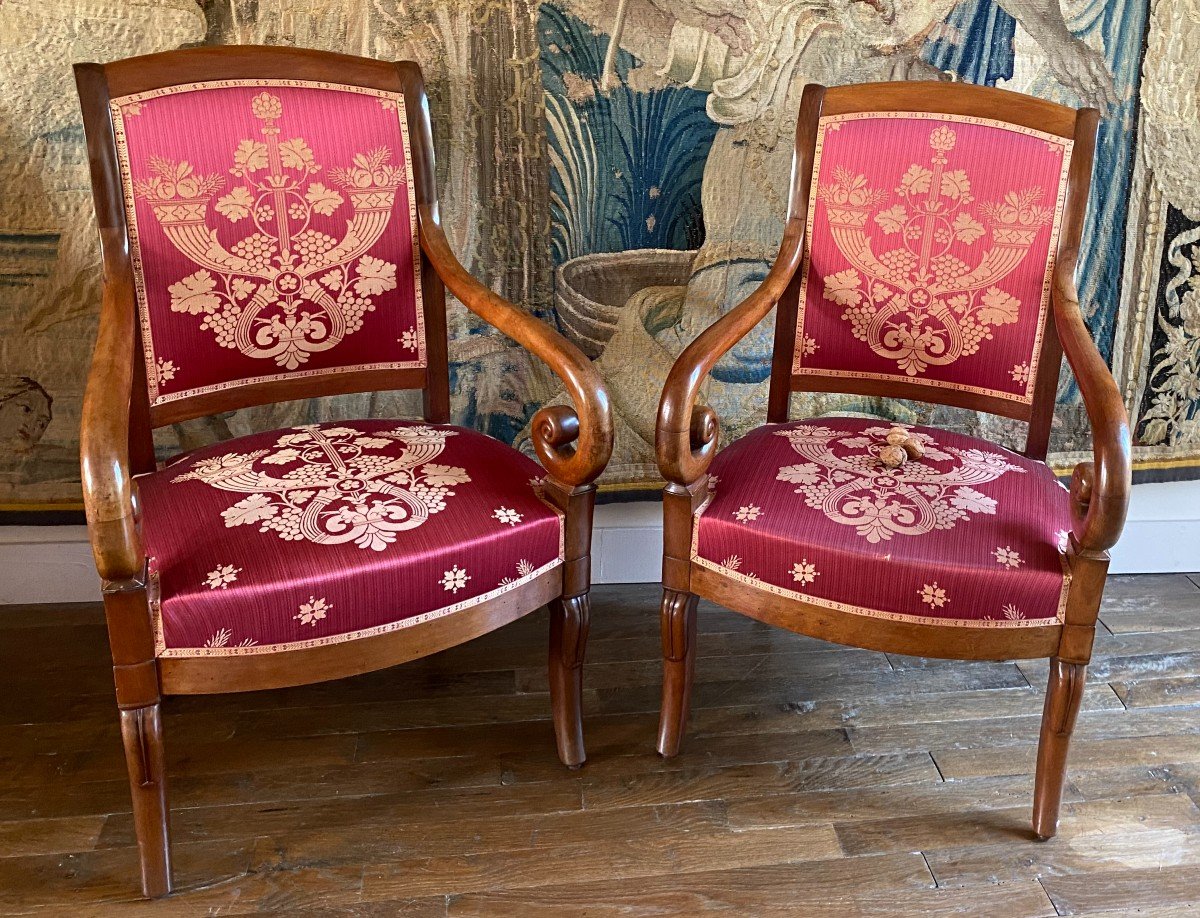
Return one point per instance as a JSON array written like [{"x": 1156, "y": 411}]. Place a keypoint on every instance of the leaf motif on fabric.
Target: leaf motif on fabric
[
  {"x": 194, "y": 293},
  {"x": 236, "y": 205},
  {"x": 919, "y": 303}
]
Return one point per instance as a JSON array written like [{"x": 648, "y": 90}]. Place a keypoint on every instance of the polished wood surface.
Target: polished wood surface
[
  {"x": 817, "y": 780},
  {"x": 688, "y": 434},
  {"x": 952, "y": 99},
  {"x": 941, "y": 641},
  {"x": 1064, "y": 695},
  {"x": 679, "y": 668},
  {"x": 574, "y": 444}
]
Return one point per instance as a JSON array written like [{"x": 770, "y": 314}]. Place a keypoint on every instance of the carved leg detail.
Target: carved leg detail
[
  {"x": 569, "y": 619},
  {"x": 1063, "y": 696},
  {"x": 679, "y": 665},
  {"x": 141, "y": 730}
]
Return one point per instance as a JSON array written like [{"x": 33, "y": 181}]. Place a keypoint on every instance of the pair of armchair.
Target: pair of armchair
[{"x": 270, "y": 231}]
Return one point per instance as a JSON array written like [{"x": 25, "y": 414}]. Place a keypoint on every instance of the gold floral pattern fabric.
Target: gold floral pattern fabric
[
  {"x": 844, "y": 479},
  {"x": 266, "y": 242},
  {"x": 969, "y": 534},
  {"x": 326, "y": 533},
  {"x": 930, "y": 250},
  {"x": 333, "y": 484}
]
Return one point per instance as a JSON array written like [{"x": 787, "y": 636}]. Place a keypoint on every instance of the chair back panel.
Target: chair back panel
[
  {"x": 273, "y": 232},
  {"x": 930, "y": 253}
]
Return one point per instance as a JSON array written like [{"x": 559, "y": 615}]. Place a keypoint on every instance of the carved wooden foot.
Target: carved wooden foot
[
  {"x": 141, "y": 730},
  {"x": 1063, "y": 695},
  {"x": 569, "y": 620},
  {"x": 679, "y": 665}
]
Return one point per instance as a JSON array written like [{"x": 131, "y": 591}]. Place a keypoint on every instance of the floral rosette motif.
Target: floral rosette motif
[
  {"x": 329, "y": 486},
  {"x": 285, "y": 290}
]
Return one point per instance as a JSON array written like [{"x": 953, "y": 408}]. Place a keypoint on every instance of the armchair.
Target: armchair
[
  {"x": 930, "y": 244},
  {"x": 270, "y": 231}
]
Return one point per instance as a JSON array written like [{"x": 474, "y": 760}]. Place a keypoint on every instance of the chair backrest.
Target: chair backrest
[
  {"x": 267, "y": 202},
  {"x": 936, "y": 216}
]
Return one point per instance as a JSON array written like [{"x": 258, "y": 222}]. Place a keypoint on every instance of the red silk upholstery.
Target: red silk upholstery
[
  {"x": 272, "y": 231},
  {"x": 930, "y": 250},
  {"x": 321, "y": 534},
  {"x": 969, "y": 535}
]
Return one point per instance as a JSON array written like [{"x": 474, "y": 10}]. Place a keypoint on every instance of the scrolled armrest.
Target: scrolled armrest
[
  {"x": 109, "y": 492},
  {"x": 1099, "y": 488},
  {"x": 573, "y": 444},
  {"x": 686, "y": 436}
]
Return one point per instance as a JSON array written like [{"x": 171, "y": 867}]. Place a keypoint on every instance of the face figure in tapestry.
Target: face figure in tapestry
[
  {"x": 754, "y": 58},
  {"x": 24, "y": 413}
]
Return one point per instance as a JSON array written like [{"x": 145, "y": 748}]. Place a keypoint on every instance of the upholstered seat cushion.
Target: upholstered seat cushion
[
  {"x": 322, "y": 534},
  {"x": 971, "y": 534}
]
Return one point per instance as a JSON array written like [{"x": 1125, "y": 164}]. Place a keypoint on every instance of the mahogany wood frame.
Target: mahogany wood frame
[
  {"x": 115, "y": 442},
  {"x": 688, "y": 432}
]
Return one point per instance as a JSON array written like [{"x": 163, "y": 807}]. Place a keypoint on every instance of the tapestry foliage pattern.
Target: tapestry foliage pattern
[{"x": 619, "y": 168}]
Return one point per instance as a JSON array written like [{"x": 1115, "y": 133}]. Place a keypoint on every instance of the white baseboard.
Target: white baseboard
[
  {"x": 46, "y": 564},
  {"x": 53, "y": 564}
]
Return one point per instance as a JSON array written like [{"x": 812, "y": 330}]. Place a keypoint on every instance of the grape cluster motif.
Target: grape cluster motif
[
  {"x": 287, "y": 289},
  {"x": 918, "y": 303}
]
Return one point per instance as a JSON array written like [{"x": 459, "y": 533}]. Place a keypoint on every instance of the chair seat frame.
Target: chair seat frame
[
  {"x": 688, "y": 432},
  {"x": 573, "y": 444}
]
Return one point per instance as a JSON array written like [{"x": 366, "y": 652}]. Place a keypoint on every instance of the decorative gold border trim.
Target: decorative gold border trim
[
  {"x": 1067, "y": 146},
  {"x": 161, "y": 650},
  {"x": 135, "y": 249},
  {"x": 756, "y": 583}
]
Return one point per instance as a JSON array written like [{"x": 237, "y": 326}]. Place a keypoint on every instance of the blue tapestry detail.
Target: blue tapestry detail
[
  {"x": 975, "y": 42},
  {"x": 625, "y": 166},
  {"x": 982, "y": 52}
]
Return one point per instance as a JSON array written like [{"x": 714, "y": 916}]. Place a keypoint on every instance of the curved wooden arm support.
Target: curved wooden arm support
[
  {"x": 1100, "y": 488},
  {"x": 109, "y": 492},
  {"x": 685, "y": 440},
  {"x": 573, "y": 444},
  {"x": 686, "y": 437}
]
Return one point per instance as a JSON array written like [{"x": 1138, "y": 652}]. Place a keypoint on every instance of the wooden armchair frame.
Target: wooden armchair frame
[
  {"x": 118, "y": 421},
  {"x": 687, "y": 437}
]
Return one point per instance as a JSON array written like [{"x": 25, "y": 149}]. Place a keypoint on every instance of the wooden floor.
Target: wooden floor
[{"x": 816, "y": 780}]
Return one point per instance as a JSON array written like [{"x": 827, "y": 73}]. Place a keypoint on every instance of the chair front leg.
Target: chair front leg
[
  {"x": 141, "y": 730},
  {"x": 678, "y": 616},
  {"x": 1068, "y": 673},
  {"x": 679, "y": 667},
  {"x": 569, "y": 620},
  {"x": 1063, "y": 696},
  {"x": 139, "y": 701},
  {"x": 570, "y": 617}
]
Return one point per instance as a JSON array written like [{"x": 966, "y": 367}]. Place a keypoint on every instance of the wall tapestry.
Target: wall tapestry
[{"x": 619, "y": 167}]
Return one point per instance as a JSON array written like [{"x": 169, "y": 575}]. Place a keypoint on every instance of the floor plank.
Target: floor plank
[
  {"x": 1148, "y": 887},
  {"x": 894, "y": 885},
  {"x": 815, "y": 780}
]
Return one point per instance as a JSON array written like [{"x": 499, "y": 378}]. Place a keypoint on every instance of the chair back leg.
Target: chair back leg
[
  {"x": 1063, "y": 696},
  {"x": 679, "y": 667},
  {"x": 141, "y": 731}
]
